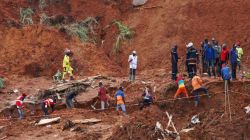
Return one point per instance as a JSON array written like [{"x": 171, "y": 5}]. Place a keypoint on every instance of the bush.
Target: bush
[
  {"x": 125, "y": 33},
  {"x": 26, "y": 15},
  {"x": 1, "y": 83}
]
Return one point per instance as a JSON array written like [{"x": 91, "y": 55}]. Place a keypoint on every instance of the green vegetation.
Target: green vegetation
[
  {"x": 42, "y": 4},
  {"x": 125, "y": 33},
  {"x": 1, "y": 83},
  {"x": 26, "y": 16}
]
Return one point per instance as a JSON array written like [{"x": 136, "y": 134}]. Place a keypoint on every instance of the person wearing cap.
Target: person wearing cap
[
  {"x": 102, "y": 94},
  {"x": 210, "y": 59},
  {"x": 233, "y": 59},
  {"x": 70, "y": 97},
  {"x": 174, "y": 61},
  {"x": 224, "y": 56},
  {"x": 132, "y": 65},
  {"x": 67, "y": 69},
  {"x": 239, "y": 53},
  {"x": 19, "y": 105},
  {"x": 46, "y": 104},
  {"x": 120, "y": 100},
  {"x": 192, "y": 58}
]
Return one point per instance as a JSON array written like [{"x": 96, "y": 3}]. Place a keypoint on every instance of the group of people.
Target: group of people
[{"x": 213, "y": 56}]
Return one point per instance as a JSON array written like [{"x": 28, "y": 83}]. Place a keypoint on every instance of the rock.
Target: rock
[
  {"x": 68, "y": 124},
  {"x": 139, "y": 2}
]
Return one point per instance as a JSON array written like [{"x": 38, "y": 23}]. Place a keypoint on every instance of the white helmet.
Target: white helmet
[
  {"x": 190, "y": 44},
  {"x": 134, "y": 52}
]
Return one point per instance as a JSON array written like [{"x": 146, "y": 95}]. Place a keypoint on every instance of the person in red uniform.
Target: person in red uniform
[
  {"x": 48, "y": 103},
  {"x": 19, "y": 105}
]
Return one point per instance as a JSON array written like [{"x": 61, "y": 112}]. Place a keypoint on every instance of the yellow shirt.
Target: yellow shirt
[
  {"x": 239, "y": 53},
  {"x": 66, "y": 62},
  {"x": 196, "y": 82}
]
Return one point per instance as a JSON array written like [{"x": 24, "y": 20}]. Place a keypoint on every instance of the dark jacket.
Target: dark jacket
[
  {"x": 192, "y": 56},
  {"x": 225, "y": 73},
  {"x": 174, "y": 55},
  {"x": 233, "y": 55},
  {"x": 209, "y": 53}
]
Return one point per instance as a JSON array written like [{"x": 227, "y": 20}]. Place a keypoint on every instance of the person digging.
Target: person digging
[
  {"x": 147, "y": 99},
  {"x": 70, "y": 99},
  {"x": 46, "y": 104},
  {"x": 19, "y": 105}
]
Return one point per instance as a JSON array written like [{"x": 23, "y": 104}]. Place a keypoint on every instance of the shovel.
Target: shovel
[{"x": 93, "y": 106}]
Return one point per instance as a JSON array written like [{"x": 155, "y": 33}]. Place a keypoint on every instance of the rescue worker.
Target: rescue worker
[
  {"x": 224, "y": 56},
  {"x": 181, "y": 87},
  {"x": 120, "y": 100},
  {"x": 19, "y": 105},
  {"x": 147, "y": 98},
  {"x": 46, "y": 104},
  {"x": 71, "y": 98},
  {"x": 210, "y": 59},
  {"x": 102, "y": 94},
  {"x": 174, "y": 60},
  {"x": 192, "y": 59},
  {"x": 197, "y": 88},
  {"x": 225, "y": 74},
  {"x": 239, "y": 53},
  {"x": 67, "y": 69},
  {"x": 132, "y": 65},
  {"x": 233, "y": 59},
  {"x": 217, "y": 51}
]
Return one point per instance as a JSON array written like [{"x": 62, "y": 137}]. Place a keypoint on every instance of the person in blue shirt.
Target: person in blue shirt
[
  {"x": 233, "y": 59},
  {"x": 225, "y": 73},
  {"x": 210, "y": 59},
  {"x": 120, "y": 100}
]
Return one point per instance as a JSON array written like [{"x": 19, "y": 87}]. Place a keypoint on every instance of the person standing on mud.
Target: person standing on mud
[
  {"x": 239, "y": 53},
  {"x": 132, "y": 65},
  {"x": 102, "y": 94},
  {"x": 70, "y": 97},
  {"x": 225, "y": 74},
  {"x": 67, "y": 69},
  {"x": 210, "y": 59},
  {"x": 174, "y": 61},
  {"x": 233, "y": 59},
  {"x": 197, "y": 88},
  {"x": 120, "y": 100},
  {"x": 19, "y": 105},
  {"x": 217, "y": 51},
  {"x": 224, "y": 56},
  {"x": 192, "y": 59},
  {"x": 204, "y": 46}
]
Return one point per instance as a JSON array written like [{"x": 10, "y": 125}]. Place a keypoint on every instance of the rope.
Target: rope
[{"x": 128, "y": 105}]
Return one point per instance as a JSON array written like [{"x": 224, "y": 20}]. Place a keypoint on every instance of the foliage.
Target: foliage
[
  {"x": 83, "y": 29},
  {"x": 44, "y": 19},
  {"x": 1, "y": 83},
  {"x": 26, "y": 15},
  {"x": 125, "y": 33}
]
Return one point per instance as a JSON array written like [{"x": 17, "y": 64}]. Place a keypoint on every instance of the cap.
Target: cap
[
  {"x": 190, "y": 44},
  {"x": 213, "y": 38},
  {"x": 134, "y": 52}
]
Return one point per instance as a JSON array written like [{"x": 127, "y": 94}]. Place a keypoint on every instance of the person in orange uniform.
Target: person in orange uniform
[
  {"x": 181, "y": 87},
  {"x": 197, "y": 88},
  {"x": 120, "y": 100}
]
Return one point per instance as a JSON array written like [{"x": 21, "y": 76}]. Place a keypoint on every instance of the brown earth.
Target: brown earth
[{"x": 30, "y": 55}]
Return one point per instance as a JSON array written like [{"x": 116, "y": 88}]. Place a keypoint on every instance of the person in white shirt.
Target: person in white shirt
[{"x": 132, "y": 65}]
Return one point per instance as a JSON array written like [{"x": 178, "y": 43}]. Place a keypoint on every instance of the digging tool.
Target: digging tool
[
  {"x": 93, "y": 106},
  {"x": 227, "y": 101}
]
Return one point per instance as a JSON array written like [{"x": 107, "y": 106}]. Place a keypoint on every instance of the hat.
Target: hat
[
  {"x": 190, "y": 44},
  {"x": 237, "y": 43},
  {"x": 224, "y": 45},
  {"x": 134, "y": 52},
  {"x": 213, "y": 38}
]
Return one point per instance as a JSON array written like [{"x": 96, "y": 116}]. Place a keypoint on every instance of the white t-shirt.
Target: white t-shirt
[{"x": 133, "y": 63}]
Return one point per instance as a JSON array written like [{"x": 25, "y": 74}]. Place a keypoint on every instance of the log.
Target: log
[
  {"x": 85, "y": 121},
  {"x": 48, "y": 121}
]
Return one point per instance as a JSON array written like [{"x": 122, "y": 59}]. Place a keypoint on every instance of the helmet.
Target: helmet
[
  {"x": 190, "y": 44},
  {"x": 134, "y": 52},
  {"x": 213, "y": 39}
]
